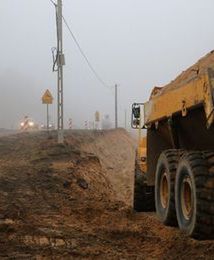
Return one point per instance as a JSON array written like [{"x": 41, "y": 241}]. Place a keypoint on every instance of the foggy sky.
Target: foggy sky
[{"x": 137, "y": 44}]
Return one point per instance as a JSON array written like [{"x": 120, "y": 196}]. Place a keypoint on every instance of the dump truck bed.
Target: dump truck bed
[
  {"x": 192, "y": 88},
  {"x": 186, "y": 76}
]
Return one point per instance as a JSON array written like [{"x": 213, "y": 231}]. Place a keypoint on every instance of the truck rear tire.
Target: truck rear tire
[
  {"x": 144, "y": 200},
  {"x": 164, "y": 186},
  {"x": 194, "y": 194}
]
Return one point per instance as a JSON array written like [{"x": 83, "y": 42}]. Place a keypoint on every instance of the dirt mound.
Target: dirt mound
[
  {"x": 116, "y": 152},
  {"x": 42, "y": 172},
  {"x": 68, "y": 201},
  {"x": 42, "y": 184},
  {"x": 192, "y": 72}
]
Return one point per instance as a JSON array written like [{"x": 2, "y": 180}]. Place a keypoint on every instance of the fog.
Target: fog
[{"x": 137, "y": 44}]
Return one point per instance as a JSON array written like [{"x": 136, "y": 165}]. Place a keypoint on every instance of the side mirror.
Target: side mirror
[
  {"x": 136, "y": 111},
  {"x": 136, "y": 120}
]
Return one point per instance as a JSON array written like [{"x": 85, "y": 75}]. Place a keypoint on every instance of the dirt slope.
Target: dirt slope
[
  {"x": 116, "y": 152},
  {"x": 65, "y": 202}
]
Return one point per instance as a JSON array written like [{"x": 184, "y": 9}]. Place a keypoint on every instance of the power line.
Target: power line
[
  {"x": 53, "y": 2},
  {"x": 83, "y": 53},
  {"x": 84, "y": 56}
]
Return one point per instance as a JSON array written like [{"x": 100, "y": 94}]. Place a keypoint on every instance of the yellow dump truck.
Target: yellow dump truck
[{"x": 177, "y": 171}]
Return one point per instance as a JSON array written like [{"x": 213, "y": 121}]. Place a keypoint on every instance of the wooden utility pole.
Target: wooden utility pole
[
  {"x": 125, "y": 119},
  {"x": 116, "y": 108}
]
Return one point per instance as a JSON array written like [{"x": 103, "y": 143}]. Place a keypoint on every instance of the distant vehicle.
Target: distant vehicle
[
  {"x": 44, "y": 126},
  {"x": 28, "y": 124}
]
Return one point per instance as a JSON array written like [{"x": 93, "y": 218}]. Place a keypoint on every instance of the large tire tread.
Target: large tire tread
[
  {"x": 172, "y": 157},
  {"x": 202, "y": 165}
]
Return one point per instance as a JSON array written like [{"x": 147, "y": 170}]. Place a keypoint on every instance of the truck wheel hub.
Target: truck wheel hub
[
  {"x": 164, "y": 190},
  {"x": 186, "y": 198}
]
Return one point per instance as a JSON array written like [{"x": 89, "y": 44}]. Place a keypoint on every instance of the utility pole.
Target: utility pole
[
  {"x": 116, "y": 110},
  {"x": 60, "y": 63},
  {"x": 125, "y": 122}
]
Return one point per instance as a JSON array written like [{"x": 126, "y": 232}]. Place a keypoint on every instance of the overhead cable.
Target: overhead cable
[
  {"x": 98, "y": 77},
  {"x": 85, "y": 57}
]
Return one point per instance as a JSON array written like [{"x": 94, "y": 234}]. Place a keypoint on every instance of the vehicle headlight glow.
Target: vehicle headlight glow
[
  {"x": 22, "y": 124},
  {"x": 31, "y": 123}
]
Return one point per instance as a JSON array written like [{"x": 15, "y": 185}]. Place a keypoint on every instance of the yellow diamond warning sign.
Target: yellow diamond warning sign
[
  {"x": 97, "y": 116},
  {"x": 47, "y": 98}
]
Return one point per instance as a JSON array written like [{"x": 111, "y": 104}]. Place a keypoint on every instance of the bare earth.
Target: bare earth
[{"x": 74, "y": 201}]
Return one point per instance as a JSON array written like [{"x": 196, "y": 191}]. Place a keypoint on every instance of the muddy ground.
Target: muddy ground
[{"x": 74, "y": 201}]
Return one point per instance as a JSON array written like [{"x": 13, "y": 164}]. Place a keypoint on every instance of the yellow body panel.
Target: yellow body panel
[{"x": 196, "y": 92}]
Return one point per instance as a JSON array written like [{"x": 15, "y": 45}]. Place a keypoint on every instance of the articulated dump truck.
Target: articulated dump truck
[{"x": 175, "y": 161}]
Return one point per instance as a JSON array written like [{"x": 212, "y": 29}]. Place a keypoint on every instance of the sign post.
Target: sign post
[
  {"x": 70, "y": 123},
  {"x": 47, "y": 118},
  {"x": 47, "y": 99},
  {"x": 97, "y": 120}
]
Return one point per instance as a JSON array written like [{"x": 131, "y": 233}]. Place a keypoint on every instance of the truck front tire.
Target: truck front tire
[{"x": 164, "y": 187}]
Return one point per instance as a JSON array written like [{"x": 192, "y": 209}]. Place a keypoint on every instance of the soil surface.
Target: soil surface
[{"x": 74, "y": 201}]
